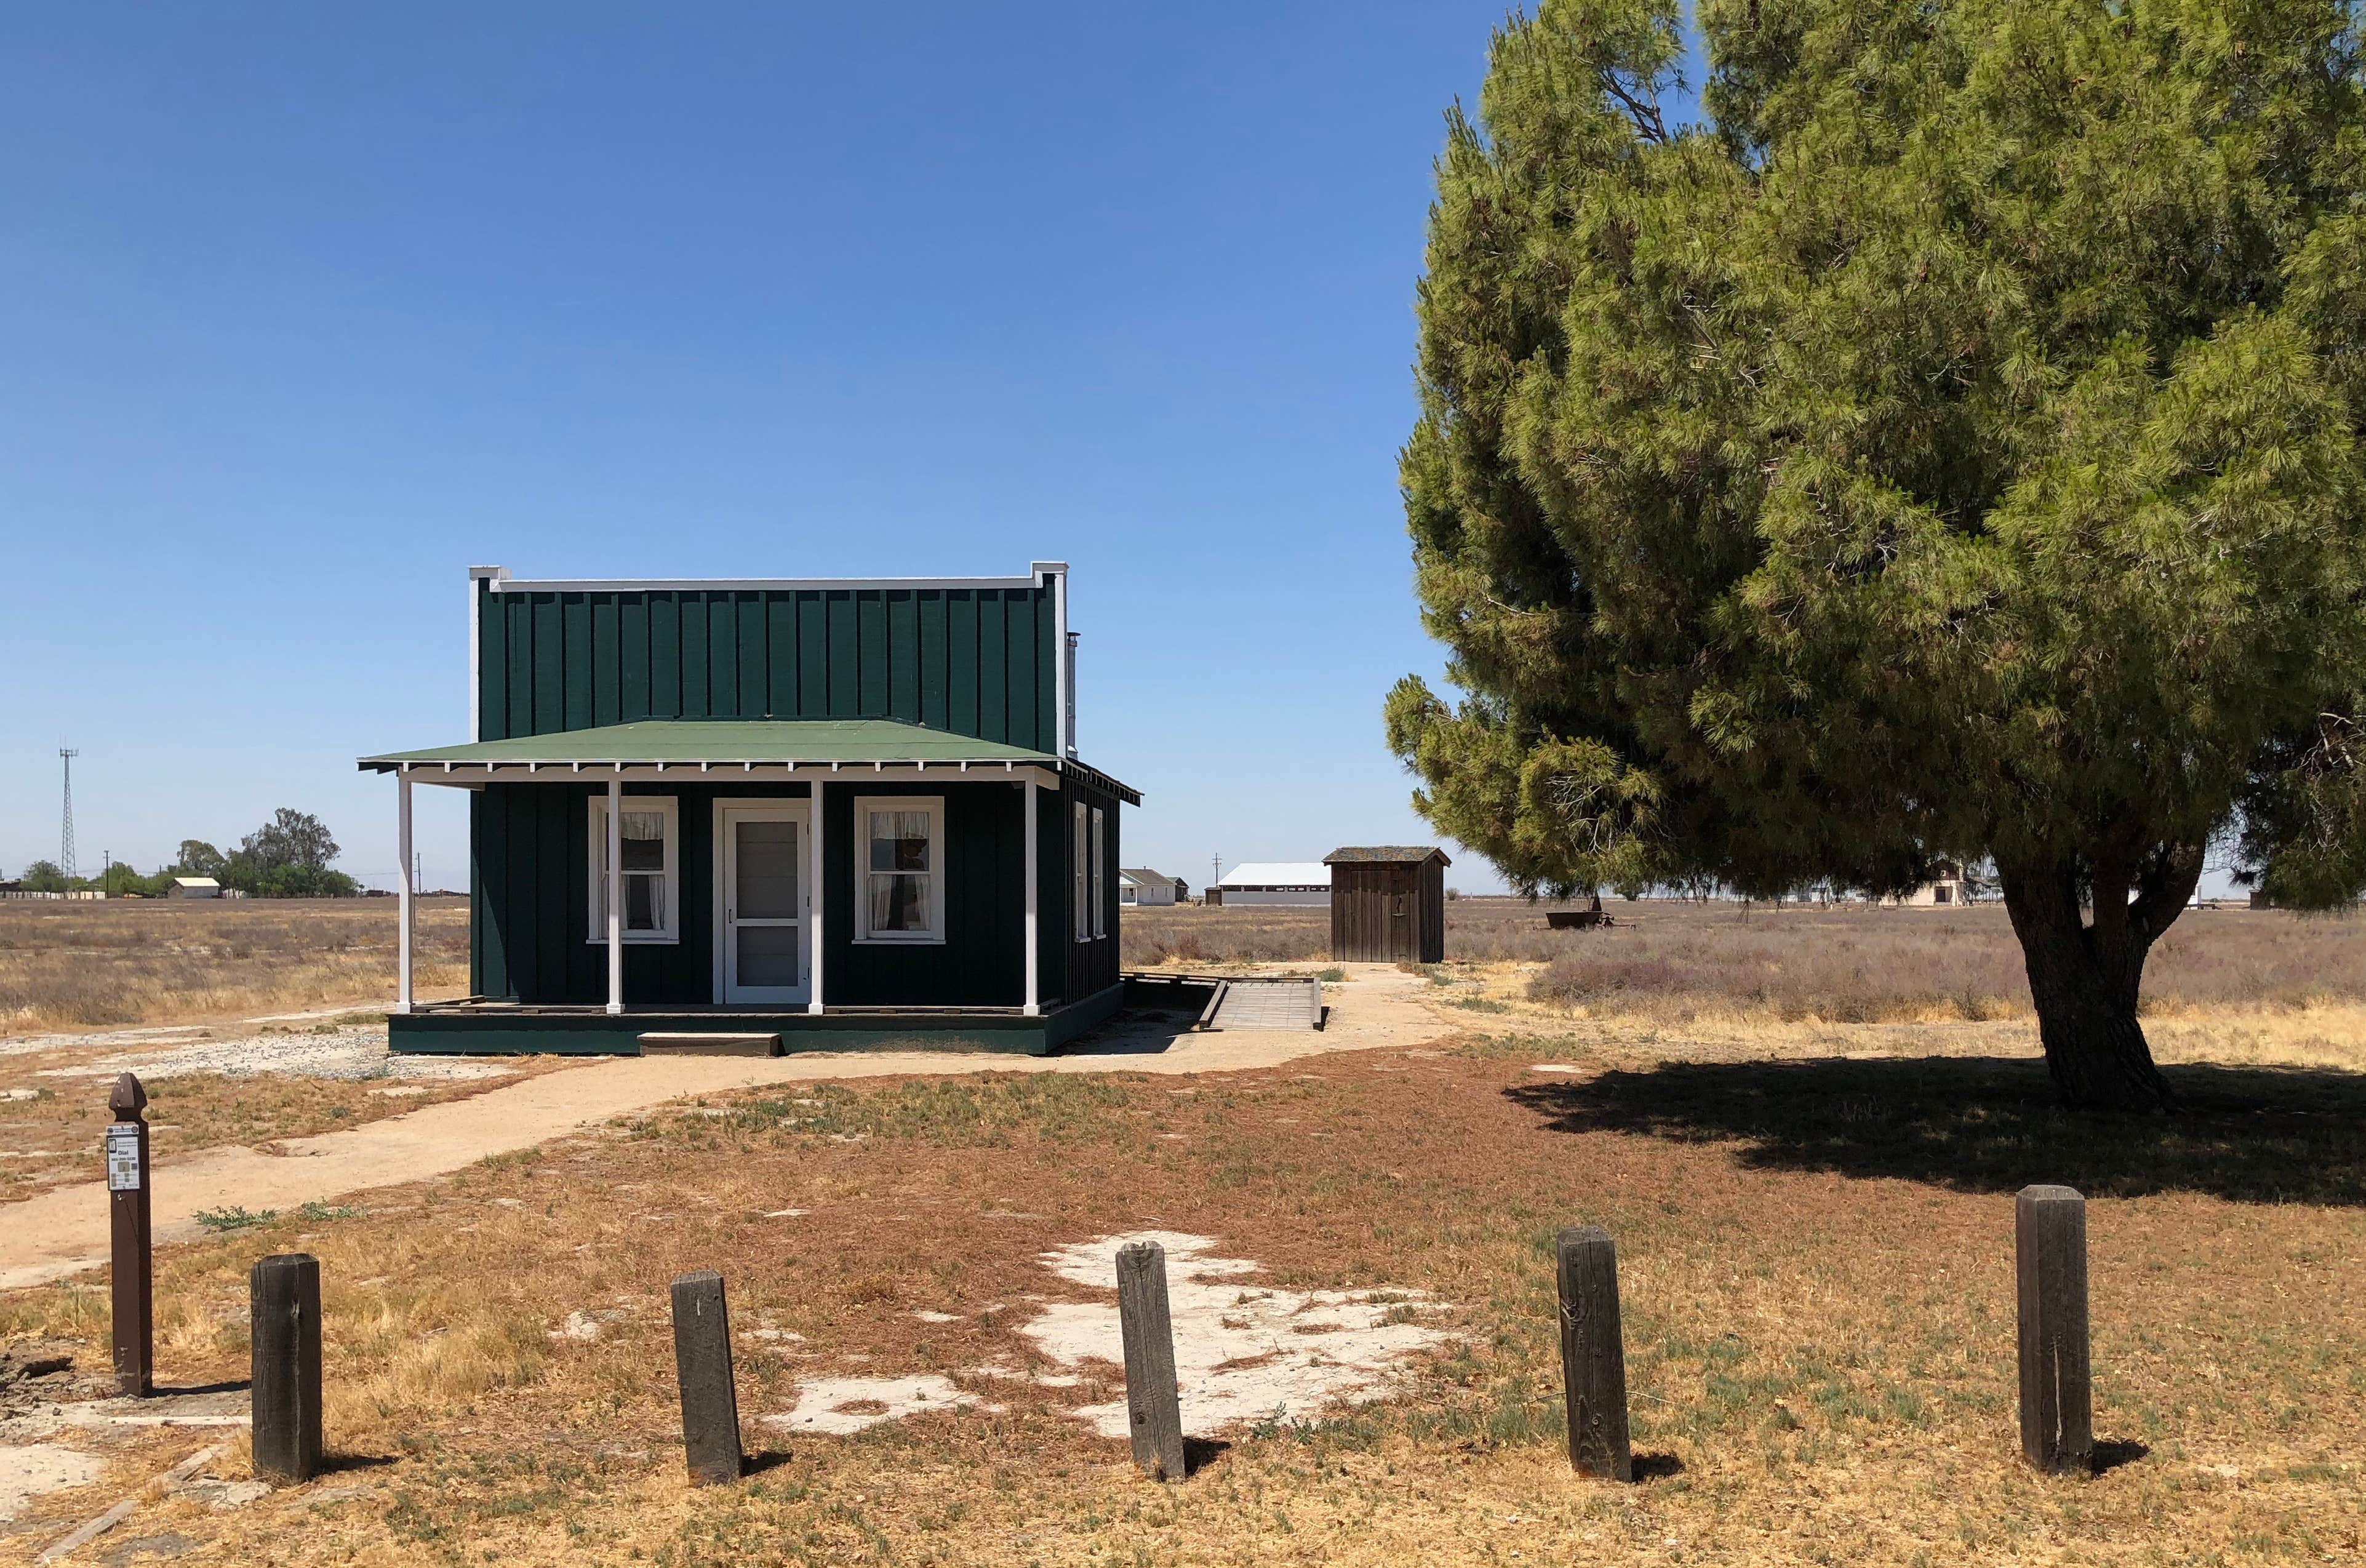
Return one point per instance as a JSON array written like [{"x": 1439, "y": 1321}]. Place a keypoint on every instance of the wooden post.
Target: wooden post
[
  {"x": 285, "y": 1294},
  {"x": 1033, "y": 1003},
  {"x": 1148, "y": 1331},
  {"x": 1593, "y": 1356},
  {"x": 406, "y": 907},
  {"x": 701, "y": 1357},
  {"x": 2057, "y": 1414},
  {"x": 128, "y": 1225},
  {"x": 615, "y": 885}
]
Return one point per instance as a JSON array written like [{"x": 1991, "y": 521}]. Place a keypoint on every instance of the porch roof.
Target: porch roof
[{"x": 770, "y": 742}]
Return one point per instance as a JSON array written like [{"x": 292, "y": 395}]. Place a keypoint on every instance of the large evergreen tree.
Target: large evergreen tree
[{"x": 1951, "y": 449}]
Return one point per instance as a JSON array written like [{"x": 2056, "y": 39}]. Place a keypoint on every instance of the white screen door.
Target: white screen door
[{"x": 764, "y": 898}]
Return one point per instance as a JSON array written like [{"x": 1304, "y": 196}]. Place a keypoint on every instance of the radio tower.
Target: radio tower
[{"x": 65, "y": 837}]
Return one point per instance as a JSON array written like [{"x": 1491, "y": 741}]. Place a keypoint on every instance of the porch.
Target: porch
[
  {"x": 479, "y": 1026},
  {"x": 830, "y": 885}
]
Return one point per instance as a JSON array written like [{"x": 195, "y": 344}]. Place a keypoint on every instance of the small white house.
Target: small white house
[
  {"x": 1305, "y": 883},
  {"x": 194, "y": 888},
  {"x": 1141, "y": 885}
]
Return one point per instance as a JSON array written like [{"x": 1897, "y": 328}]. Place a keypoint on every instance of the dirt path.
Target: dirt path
[{"x": 63, "y": 1231}]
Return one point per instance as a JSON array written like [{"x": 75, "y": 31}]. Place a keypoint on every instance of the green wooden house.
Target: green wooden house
[{"x": 772, "y": 816}]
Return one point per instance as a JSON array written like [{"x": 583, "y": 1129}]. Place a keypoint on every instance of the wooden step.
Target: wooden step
[{"x": 713, "y": 1044}]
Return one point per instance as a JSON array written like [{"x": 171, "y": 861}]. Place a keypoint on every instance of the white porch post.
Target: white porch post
[
  {"x": 818, "y": 896},
  {"x": 402, "y": 997},
  {"x": 615, "y": 884},
  {"x": 1034, "y": 875}
]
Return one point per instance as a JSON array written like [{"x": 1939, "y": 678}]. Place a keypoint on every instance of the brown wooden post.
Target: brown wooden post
[
  {"x": 1148, "y": 1332},
  {"x": 284, "y": 1293},
  {"x": 2058, "y": 1411},
  {"x": 128, "y": 1225},
  {"x": 701, "y": 1357},
  {"x": 1593, "y": 1356}
]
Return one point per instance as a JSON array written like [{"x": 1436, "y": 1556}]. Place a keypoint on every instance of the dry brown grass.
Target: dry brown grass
[
  {"x": 56, "y": 1134},
  {"x": 1819, "y": 1293},
  {"x": 1679, "y": 962},
  {"x": 72, "y": 966}
]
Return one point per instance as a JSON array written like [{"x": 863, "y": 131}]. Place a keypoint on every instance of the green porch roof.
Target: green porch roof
[{"x": 718, "y": 741}]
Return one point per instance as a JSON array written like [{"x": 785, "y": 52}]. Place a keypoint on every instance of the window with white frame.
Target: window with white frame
[
  {"x": 900, "y": 896},
  {"x": 650, "y": 865},
  {"x": 1100, "y": 867},
  {"x": 1080, "y": 908}
]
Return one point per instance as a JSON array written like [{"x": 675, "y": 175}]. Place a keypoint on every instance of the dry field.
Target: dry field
[
  {"x": 1817, "y": 1263},
  {"x": 74, "y": 965},
  {"x": 1804, "y": 1127},
  {"x": 53, "y": 1107},
  {"x": 69, "y": 969},
  {"x": 1678, "y": 962}
]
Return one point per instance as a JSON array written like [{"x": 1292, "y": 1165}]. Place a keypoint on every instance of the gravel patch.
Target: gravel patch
[{"x": 351, "y": 1052}]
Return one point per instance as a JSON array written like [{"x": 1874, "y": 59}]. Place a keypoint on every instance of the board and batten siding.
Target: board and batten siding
[
  {"x": 530, "y": 848},
  {"x": 976, "y": 661}
]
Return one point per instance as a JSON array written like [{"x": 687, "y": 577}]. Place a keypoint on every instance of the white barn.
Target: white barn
[{"x": 1275, "y": 881}]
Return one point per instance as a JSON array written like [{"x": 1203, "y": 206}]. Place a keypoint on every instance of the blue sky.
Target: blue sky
[{"x": 306, "y": 309}]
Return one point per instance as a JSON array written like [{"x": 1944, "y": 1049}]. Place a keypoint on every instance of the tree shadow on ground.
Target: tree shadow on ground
[{"x": 1976, "y": 1125}]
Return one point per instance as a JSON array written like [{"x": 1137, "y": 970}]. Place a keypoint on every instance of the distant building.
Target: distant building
[
  {"x": 194, "y": 888},
  {"x": 1947, "y": 888},
  {"x": 1305, "y": 883},
  {"x": 1141, "y": 885}
]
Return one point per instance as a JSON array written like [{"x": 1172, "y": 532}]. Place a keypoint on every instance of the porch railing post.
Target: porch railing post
[
  {"x": 1034, "y": 875},
  {"x": 820, "y": 897},
  {"x": 403, "y": 942},
  {"x": 615, "y": 879}
]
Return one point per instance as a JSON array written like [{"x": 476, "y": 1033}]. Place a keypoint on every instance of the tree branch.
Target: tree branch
[
  {"x": 1644, "y": 112},
  {"x": 2163, "y": 887}
]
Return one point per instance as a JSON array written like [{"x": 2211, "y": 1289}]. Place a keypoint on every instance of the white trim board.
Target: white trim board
[
  {"x": 745, "y": 585},
  {"x": 476, "y": 776}
]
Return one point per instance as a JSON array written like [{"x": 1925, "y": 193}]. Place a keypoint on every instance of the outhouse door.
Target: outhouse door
[{"x": 765, "y": 902}]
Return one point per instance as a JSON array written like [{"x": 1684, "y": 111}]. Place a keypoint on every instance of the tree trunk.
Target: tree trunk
[{"x": 2085, "y": 978}]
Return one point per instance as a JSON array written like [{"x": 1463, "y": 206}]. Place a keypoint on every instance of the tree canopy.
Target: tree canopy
[{"x": 1948, "y": 450}]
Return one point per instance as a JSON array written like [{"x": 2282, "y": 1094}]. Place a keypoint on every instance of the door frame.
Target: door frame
[{"x": 728, "y": 811}]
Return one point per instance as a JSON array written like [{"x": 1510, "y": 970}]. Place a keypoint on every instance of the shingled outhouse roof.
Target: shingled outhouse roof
[{"x": 1385, "y": 854}]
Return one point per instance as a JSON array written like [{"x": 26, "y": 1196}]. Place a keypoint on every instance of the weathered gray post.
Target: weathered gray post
[
  {"x": 2058, "y": 1411},
  {"x": 701, "y": 1357},
  {"x": 128, "y": 1225},
  {"x": 1593, "y": 1356},
  {"x": 284, "y": 1292},
  {"x": 1148, "y": 1331}
]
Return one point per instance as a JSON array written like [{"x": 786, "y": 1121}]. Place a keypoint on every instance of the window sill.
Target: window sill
[
  {"x": 899, "y": 941},
  {"x": 638, "y": 939}
]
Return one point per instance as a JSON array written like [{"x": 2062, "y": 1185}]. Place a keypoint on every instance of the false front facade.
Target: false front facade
[{"x": 774, "y": 816}]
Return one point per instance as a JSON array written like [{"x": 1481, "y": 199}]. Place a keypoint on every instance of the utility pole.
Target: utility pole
[
  {"x": 106, "y": 866},
  {"x": 65, "y": 838}
]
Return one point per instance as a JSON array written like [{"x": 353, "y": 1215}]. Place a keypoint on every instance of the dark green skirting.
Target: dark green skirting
[{"x": 575, "y": 1032}]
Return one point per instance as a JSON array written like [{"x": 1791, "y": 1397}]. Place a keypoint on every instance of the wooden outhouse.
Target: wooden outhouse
[
  {"x": 1388, "y": 904},
  {"x": 773, "y": 815}
]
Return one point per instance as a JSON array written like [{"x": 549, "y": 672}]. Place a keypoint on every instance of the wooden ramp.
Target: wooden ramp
[{"x": 1269, "y": 1004}]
